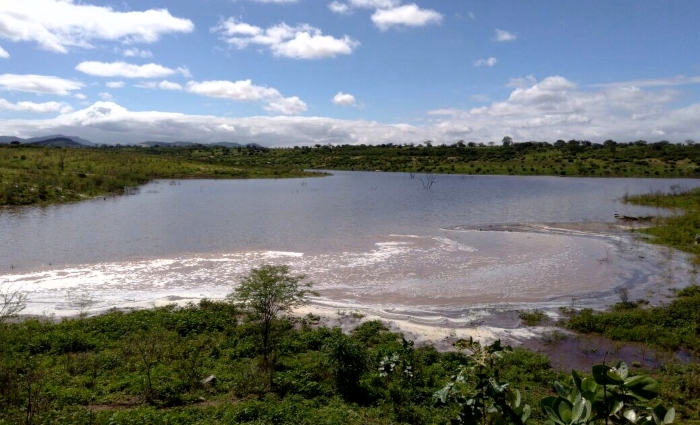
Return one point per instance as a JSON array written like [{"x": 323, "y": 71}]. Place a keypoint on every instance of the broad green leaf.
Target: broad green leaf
[
  {"x": 553, "y": 416},
  {"x": 642, "y": 387},
  {"x": 604, "y": 375},
  {"x": 564, "y": 410},
  {"x": 561, "y": 390},
  {"x": 577, "y": 410},
  {"x": 616, "y": 407}
]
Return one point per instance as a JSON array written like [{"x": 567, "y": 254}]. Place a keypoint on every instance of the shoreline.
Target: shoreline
[{"x": 439, "y": 324}]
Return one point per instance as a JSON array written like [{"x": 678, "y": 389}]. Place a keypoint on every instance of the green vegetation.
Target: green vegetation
[
  {"x": 35, "y": 175},
  {"x": 43, "y": 175},
  {"x": 203, "y": 364},
  {"x": 674, "y": 326},
  {"x": 572, "y": 158},
  {"x": 680, "y": 230},
  {"x": 532, "y": 317},
  {"x": 670, "y": 327},
  {"x": 265, "y": 293}
]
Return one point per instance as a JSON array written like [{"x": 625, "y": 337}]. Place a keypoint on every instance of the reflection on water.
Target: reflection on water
[{"x": 374, "y": 240}]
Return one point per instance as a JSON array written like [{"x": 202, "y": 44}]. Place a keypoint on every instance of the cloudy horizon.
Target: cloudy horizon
[{"x": 304, "y": 72}]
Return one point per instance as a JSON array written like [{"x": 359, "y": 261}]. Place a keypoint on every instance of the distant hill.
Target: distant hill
[
  {"x": 152, "y": 144},
  {"x": 58, "y": 142},
  {"x": 53, "y": 140}
]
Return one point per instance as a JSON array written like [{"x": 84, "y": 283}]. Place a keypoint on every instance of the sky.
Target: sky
[{"x": 305, "y": 72}]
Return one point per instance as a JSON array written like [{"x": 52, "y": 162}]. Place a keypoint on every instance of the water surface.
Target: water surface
[{"x": 375, "y": 240}]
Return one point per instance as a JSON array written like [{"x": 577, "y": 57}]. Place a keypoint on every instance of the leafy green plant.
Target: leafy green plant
[
  {"x": 268, "y": 291},
  {"x": 610, "y": 395},
  {"x": 477, "y": 391}
]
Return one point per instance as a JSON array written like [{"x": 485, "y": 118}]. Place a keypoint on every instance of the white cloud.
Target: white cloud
[
  {"x": 502, "y": 36},
  {"x": 3, "y": 53},
  {"x": 136, "y": 53},
  {"x": 522, "y": 82},
  {"x": 344, "y": 99},
  {"x": 127, "y": 70},
  {"x": 375, "y": 4},
  {"x": 163, "y": 85},
  {"x": 246, "y": 91},
  {"x": 678, "y": 80},
  {"x": 486, "y": 62},
  {"x": 339, "y": 8},
  {"x": 286, "y": 106},
  {"x": 300, "y": 42},
  {"x": 556, "y": 108},
  {"x": 57, "y": 25},
  {"x": 41, "y": 84},
  {"x": 409, "y": 15},
  {"x": 45, "y": 107},
  {"x": 115, "y": 84},
  {"x": 240, "y": 91},
  {"x": 550, "y": 109},
  {"x": 106, "y": 96},
  {"x": 80, "y": 96}
]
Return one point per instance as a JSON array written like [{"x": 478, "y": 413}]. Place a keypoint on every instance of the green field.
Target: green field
[{"x": 43, "y": 175}]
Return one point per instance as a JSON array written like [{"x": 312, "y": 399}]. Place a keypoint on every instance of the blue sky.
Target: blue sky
[{"x": 284, "y": 72}]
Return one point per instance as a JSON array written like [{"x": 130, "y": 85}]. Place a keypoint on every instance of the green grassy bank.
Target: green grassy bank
[{"x": 36, "y": 175}]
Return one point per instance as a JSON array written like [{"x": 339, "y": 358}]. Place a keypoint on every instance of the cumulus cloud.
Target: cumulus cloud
[
  {"x": 409, "y": 15},
  {"x": 299, "y": 42},
  {"x": 486, "y": 62},
  {"x": 137, "y": 53},
  {"x": 556, "y": 108},
  {"x": 344, "y": 99},
  {"x": 80, "y": 96},
  {"x": 57, "y": 25},
  {"x": 502, "y": 36},
  {"x": 375, "y": 4},
  {"x": 286, "y": 106},
  {"x": 115, "y": 84},
  {"x": 106, "y": 96},
  {"x": 339, "y": 8},
  {"x": 43, "y": 108},
  {"x": 3, "y": 53},
  {"x": 163, "y": 85},
  {"x": 549, "y": 109},
  {"x": 127, "y": 70},
  {"x": 246, "y": 91},
  {"x": 40, "y": 84},
  {"x": 108, "y": 122}
]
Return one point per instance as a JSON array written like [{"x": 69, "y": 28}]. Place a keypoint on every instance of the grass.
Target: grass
[
  {"x": 148, "y": 367},
  {"x": 680, "y": 230},
  {"x": 34, "y": 175}
]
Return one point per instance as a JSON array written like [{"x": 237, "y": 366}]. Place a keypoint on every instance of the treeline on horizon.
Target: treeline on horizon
[
  {"x": 572, "y": 158},
  {"x": 34, "y": 175}
]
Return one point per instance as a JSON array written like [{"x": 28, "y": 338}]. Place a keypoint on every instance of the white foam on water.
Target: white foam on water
[{"x": 419, "y": 282}]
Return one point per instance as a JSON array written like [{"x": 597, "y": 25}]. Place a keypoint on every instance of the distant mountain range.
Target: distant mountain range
[
  {"x": 59, "y": 140},
  {"x": 185, "y": 144}
]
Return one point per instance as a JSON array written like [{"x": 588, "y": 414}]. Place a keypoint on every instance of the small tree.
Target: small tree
[
  {"x": 12, "y": 301},
  {"x": 268, "y": 291}
]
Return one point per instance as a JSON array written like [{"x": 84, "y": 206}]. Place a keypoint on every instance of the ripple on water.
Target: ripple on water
[{"x": 452, "y": 270}]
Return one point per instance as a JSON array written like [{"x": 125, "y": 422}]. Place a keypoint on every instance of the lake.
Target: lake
[{"x": 369, "y": 240}]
